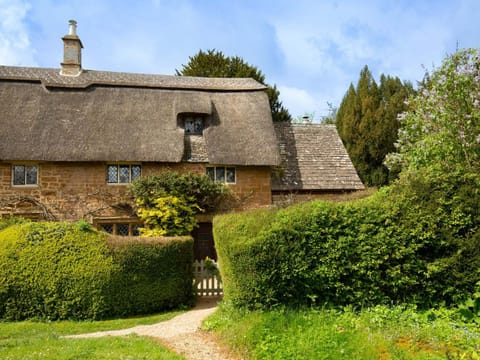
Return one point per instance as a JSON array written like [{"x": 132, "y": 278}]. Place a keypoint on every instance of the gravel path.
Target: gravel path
[{"x": 181, "y": 334}]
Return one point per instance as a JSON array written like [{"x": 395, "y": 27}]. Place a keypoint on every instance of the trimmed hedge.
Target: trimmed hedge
[
  {"x": 156, "y": 274},
  {"x": 53, "y": 271},
  {"x": 64, "y": 270},
  {"x": 390, "y": 248}
]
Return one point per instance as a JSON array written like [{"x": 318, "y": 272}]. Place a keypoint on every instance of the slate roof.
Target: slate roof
[
  {"x": 108, "y": 116},
  {"x": 313, "y": 159}
]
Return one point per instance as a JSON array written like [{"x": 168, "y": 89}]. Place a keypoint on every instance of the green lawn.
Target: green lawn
[
  {"x": 376, "y": 333},
  {"x": 43, "y": 340}
]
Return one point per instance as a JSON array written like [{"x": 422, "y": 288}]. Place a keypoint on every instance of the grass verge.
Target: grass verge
[
  {"x": 375, "y": 333},
  {"x": 43, "y": 340}
]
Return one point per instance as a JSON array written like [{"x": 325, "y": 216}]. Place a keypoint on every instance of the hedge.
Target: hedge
[
  {"x": 156, "y": 274},
  {"x": 68, "y": 271},
  {"x": 389, "y": 248}
]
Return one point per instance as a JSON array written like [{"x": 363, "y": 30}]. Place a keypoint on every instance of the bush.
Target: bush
[
  {"x": 61, "y": 270},
  {"x": 53, "y": 271},
  {"x": 197, "y": 190},
  {"x": 414, "y": 243},
  {"x": 6, "y": 222},
  {"x": 155, "y": 275},
  {"x": 168, "y": 216}
]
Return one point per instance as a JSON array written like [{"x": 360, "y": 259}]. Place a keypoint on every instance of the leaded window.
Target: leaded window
[
  {"x": 108, "y": 228},
  {"x": 119, "y": 227},
  {"x": 25, "y": 175},
  {"x": 223, "y": 174},
  {"x": 122, "y": 173},
  {"x": 123, "y": 229},
  {"x": 194, "y": 125}
]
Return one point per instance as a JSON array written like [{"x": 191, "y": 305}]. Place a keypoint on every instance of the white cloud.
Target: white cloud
[
  {"x": 297, "y": 101},
  {"x": 14, "y": 40}
]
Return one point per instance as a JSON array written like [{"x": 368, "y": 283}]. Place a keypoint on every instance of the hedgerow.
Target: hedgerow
[
  {"x": 53, "y": 271},
  {"x": 390, "y": 248},
  {"x": 155, "y": 274},
  {"x": 64, "y": 270}
]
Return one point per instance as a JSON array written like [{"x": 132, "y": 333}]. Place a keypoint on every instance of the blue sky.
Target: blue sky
[{"x": 312, "y": 50}]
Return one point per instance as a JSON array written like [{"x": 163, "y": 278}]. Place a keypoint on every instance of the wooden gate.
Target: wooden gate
[{"x": 206, "y": 278}]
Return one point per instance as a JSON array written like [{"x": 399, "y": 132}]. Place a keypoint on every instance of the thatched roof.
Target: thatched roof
[
  {"x": 313, "y": 159},
  {"x": 107, "y": 116}
]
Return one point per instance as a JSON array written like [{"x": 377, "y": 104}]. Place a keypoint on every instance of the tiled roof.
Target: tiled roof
[
  {"x": 52, "y": 78},
  {"x": 313, "y": 158}
]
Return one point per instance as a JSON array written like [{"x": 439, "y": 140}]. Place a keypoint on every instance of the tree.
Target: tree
[
  {"x": 214, "y": 63},
  {"x": 367, "y": 123},
  {"x": 441, "y": 128}
]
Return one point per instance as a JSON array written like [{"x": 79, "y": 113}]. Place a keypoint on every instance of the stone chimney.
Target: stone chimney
[{"x": 72, "y": 52}]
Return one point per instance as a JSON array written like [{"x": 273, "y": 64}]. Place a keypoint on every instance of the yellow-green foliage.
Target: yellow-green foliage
[
  {"x": 167, "y": 216},
  {"x": 53, "y": 270},
  {"x": 64, "y": 270}
]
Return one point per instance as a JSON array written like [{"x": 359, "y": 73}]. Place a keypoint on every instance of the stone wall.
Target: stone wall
[{"x": 72, "y": 191}]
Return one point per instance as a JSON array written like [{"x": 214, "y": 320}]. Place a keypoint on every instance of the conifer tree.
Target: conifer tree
[{"x": 367, "y": 123}]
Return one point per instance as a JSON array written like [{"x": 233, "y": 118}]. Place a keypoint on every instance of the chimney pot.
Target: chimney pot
[{"x": 72, "y": 30}]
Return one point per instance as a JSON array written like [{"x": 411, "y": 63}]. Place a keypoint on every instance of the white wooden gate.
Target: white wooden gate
[{"x": 206, "y": 278}]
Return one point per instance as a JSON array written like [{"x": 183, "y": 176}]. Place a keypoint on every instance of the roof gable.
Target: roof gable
[{"x": 313, "y": 158}]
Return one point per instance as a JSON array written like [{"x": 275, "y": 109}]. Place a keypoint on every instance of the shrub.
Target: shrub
[
  {"x": 6, "y": 222},
  {"x": 61, "y": 270},
  {"x": 53, "y": 271},
  {"x": 155, "y": 274},
  {"x": 167, "y": 216},
  {"x": 197, "y": 190},
  {"x": 414, "y": 243},
  {"x": 167, "y": 203}
]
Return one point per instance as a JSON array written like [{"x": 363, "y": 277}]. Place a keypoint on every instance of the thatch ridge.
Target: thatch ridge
[{"x": 52, "y": 78}]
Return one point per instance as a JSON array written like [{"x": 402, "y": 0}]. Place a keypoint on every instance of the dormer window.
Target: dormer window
[{"x": 194, "y": 125}]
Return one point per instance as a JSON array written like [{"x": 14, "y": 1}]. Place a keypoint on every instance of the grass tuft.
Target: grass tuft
[{"x": 375, "y": 333}]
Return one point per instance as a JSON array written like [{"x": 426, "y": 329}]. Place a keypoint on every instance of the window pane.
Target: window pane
[
  {"x": 124, "y": 174},
  {"x": 211, "y": 173},
  {"x": 220, "y": 174},
  {"x": 112, "y": 174},
  {"x": 19, "y": 175},
  {"x": 122, "y": 229},
  {"x": 136, "y": 171},
  {"x": 189, "y": 126},
  {"x": 198, "y": 126},
  {"x": 107, "y": 228},
  {"x": 231, "y": 175},
  {"x": 31, "y": 172}
]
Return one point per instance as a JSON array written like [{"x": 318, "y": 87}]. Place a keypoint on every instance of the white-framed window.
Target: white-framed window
[
  {"x": 24, "y": 175},
  {"x": 123, "y": 173},
  {"x": 223, "y": 174},
  {"x": 194, "y": 124}
]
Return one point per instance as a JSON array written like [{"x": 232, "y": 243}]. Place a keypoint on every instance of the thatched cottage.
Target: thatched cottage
[{"x": 71, "y": 140}]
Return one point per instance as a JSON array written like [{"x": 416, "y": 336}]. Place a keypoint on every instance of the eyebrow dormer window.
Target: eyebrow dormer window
[{"x": 194, "y": 125}]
